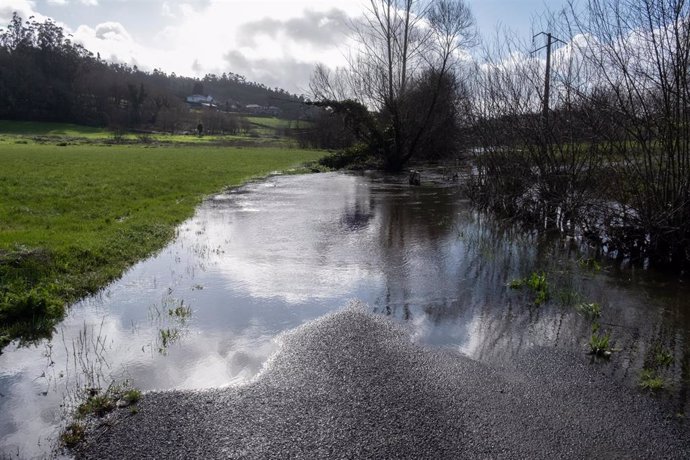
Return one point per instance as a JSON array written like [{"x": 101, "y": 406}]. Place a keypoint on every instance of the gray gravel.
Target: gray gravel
[{"x": 353, "y": 385}]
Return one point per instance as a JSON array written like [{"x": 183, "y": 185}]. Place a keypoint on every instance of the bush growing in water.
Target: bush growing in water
[
  {"x": 613, "y": 156},
  {"x": 537, "y": 283}
]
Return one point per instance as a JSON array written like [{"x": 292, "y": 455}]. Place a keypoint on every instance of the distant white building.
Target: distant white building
[{"x": 200, "y": 100}]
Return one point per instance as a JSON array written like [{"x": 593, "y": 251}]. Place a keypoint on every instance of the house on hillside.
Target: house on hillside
[{"x": 199, "y": 100}]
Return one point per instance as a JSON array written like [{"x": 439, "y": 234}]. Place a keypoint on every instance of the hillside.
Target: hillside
[{"x": 44, "y": 76}]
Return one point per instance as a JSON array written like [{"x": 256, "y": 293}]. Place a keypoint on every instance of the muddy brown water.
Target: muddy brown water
[{"x": 209, "y": 309}]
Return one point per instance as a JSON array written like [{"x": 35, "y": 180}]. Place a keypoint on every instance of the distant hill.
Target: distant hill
[{"x": 46, "y": 77}]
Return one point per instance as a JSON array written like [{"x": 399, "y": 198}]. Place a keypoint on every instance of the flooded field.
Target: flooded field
[{"x": 208, "y": 310}]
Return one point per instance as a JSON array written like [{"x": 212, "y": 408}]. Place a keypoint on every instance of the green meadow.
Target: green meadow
[
  {"x": 73, "y": 218},
  {"x": 55, "y": 130}
]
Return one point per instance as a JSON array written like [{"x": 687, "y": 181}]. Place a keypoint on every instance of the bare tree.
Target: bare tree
[
  {"x": 617, "y": 141},
  {"x": 639, "y": 51},
  {"x": 399, "y": 44},
  {"x": 530, "y": 165}
]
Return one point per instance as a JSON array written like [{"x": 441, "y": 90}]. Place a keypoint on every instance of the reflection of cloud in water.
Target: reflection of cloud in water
[
  {"x": 307, "y": 245},
  {"x": 115, "y": 352},
  {"x": 287, "y": 253}
]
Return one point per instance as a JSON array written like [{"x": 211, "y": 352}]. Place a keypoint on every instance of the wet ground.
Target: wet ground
[
  {"x": 352, "y": 385},
  {"x": 274, "y": 255}
]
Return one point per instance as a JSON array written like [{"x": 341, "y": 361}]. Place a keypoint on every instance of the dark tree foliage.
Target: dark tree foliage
[
  {"x": 357, "y": 118},
  {"x": 404, "y": 69},
  {"x": 430, "y": 115},
  {"x": 39, "y": 69}
]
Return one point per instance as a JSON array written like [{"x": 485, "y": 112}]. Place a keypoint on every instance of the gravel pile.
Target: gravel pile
[{"x": 353, "y": 385}]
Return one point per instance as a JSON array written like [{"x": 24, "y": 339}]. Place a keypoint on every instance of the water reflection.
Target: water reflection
[{"x": 253, "y": 263}]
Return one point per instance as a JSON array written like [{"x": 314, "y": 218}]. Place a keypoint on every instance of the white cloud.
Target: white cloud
[
  {"x": 212, "y": 36},
  {"x": 112, "y": 31},
  {"x": 57, "y": 2},
  {"x": 24, "y": 8},
  {"x": 288, "y": 73},
  {"x": 167, "y": 10},
  {"x": 315, "y": 28},
  {"x": 112, "y": 41},
  {"x": 220, "y": 39}
]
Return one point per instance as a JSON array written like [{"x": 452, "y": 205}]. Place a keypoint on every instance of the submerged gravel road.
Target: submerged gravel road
[{"x": 353, "y": 385}]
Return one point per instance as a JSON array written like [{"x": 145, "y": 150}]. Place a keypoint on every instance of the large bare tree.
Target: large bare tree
[{"x": 401, "y": 48}]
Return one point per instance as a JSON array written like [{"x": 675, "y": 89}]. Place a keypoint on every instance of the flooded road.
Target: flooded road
[{"x": 207, "y": 311}]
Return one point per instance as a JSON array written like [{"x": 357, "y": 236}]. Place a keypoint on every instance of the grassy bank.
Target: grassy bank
[
  {"x": 74, "y": 218},
  {"x": 262, "y": 132}
]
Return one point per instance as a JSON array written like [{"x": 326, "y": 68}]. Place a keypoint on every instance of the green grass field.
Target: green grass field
[
  {"x": 33, "y": 128},
  {"x": 74, "y": 218},
  {"x": 272, "y": 122},
  {"x": 266, "y": 131}
]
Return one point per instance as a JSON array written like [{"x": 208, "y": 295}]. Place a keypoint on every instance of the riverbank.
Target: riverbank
[
  {"x": 353, "y": 385},
  {"x": 74, "y": 217}
]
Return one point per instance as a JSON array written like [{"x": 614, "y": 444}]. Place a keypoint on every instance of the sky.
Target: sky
[{"x": 276, "y": 43}]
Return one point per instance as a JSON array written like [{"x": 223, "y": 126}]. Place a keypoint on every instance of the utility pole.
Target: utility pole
[{"x": 550, "y": 39}]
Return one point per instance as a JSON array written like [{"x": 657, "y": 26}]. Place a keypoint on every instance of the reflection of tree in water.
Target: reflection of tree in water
[
  {"x": 447, "y": 265},
  {"x": 442, "y": 265},
  {"x": 440, "y": 254},
  {"x": 413, "y": 227},
  {"x": 358, "y": 214}
]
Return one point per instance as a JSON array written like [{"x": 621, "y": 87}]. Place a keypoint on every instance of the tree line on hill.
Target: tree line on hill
[{"x": 45, "y": 76}]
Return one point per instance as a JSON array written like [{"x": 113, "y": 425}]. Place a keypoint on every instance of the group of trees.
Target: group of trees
[
  {"x": 45, "y": 76},
  {"x": 609, "y": 155}
]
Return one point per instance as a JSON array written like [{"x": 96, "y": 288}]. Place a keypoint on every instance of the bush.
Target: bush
[{"x": 356, "y": 158}]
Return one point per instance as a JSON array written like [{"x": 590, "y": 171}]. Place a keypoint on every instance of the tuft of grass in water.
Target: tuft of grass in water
[
  {"x": 518, "y": 283},
  {"x": 97, "y": 404},
  {"x": 599, "y": 343},
  {"x": 167, "y": 337},
  {"x": 536, "y": 283},
  {"x": 568, "y": 297},
  {"x": 181, "y": 311},
  {"x": 589, "y": 264},
  {"x": 73, "y": 218},
  {"x": 663, "y": 357},
  {"x": 73, "y": 434},
  {"x": 651, "y": 380},
  {"x": 132, "y": 396},
  {"x": 590, "y": 310}
]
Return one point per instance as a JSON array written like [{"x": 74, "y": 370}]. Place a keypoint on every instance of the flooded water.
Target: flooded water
[{"x": 207, "y": 311}]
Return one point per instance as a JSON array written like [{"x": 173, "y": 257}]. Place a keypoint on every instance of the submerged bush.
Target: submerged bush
[{"x": 536, "y": 283}]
